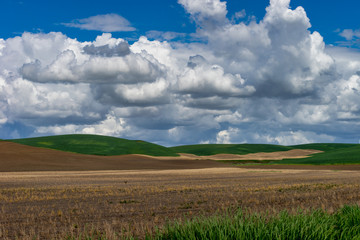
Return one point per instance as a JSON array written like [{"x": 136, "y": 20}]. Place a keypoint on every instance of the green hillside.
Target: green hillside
[
  {"x": 333, "y": 154},
  {"x": 97, "y": 145},
  {"x": 324, "y": 146},
  {"x": 211, "y": 149}
]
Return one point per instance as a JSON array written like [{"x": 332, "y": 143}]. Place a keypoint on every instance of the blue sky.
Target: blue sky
[
  {"x": 182, "y": 71},
  {"x": 46, "y": 16}
]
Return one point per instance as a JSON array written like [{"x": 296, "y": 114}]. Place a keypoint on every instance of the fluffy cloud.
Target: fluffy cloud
[
  {"x": 294, "y": 138},
  {"x": 225, "y": 136},
  {"x": 350, "y": 34},
  {"x": 240, "y": 14},
  {"x": 3, "y": 102},
  {"x": 201, "y": 79},
  {"x": 46, "y": 104},
  {"x": 206, "y": 13},
  {"x": 104, "y": 23},
  {"x": 347, "y": 98},
  {"x": 107, "y": 63},
  {"x": 347, "y": 61},
  {"x": 271, "y": 81},
  {"x": 235, "y": 135},
  {"x": 164, "y": 36},
  {"x": 146, "y": 94},
  {"x": 129, "y": 69},
  {"x": 109, "y": 126},
  {"x": 279, "y": 56},
  {"x": 119, "y": 50}
]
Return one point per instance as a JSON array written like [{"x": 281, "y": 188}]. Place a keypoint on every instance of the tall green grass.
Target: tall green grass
[{"x": 317, "y": 224}]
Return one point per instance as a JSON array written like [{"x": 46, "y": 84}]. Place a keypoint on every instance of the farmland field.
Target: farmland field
[
  {"x": 98, "y": 187},
  {"x": 96, "y": 145},
  {"x": 133, "y": 203}
]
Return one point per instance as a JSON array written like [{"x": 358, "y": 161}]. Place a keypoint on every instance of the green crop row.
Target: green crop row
[
  {"x": 344, "y": 224},
  {"x": 312, "y": 225}
]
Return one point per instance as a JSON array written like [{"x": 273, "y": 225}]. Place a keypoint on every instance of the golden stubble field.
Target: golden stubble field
[{"x": 50, "y": 205}]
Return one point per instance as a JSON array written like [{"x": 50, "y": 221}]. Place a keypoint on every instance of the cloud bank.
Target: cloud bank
[{"x": 271, "y": 81}]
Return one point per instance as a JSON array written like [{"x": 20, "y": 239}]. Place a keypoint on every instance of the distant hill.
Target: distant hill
[
  {"x": 97, "y": 145},
  {"x": 334, "y": 153},
  {"x": 16, "y": 157},
  {"x": 212, "y": 149},
  {"x": 325, "y": 146}
]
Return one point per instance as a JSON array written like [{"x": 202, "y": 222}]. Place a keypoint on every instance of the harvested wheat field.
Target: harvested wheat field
[
  {"x": 50, "y": 194},
  {"x": 50, "y": 205}
]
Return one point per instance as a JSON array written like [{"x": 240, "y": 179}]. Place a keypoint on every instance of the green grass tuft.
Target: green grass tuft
[
  {"x": 317, "y": 224},
  {"x": 97, "y": 145}
]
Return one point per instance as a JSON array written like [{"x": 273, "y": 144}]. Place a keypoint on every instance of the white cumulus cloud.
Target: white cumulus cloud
[
  {"x": 350, "y": 34},
  {"x": 206, "y": 13},
  {"x": 105, "y": 23},
  {"x": 225, "y": 136},
  {"x": 267, "y": 81}
]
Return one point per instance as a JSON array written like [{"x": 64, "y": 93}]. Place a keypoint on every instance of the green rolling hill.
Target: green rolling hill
[
  {"x": 97, "y": 145},
  {"x": 325, "y": 146},
  {"x": 334, "y": 153},
  {"x": 212, "y": 149}
]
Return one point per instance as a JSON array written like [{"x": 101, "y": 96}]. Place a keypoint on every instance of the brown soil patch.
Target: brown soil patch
[{"x": 17, "y": 157}]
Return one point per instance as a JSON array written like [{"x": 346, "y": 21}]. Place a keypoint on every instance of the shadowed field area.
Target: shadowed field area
[{"x": 50, "y": 205}]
